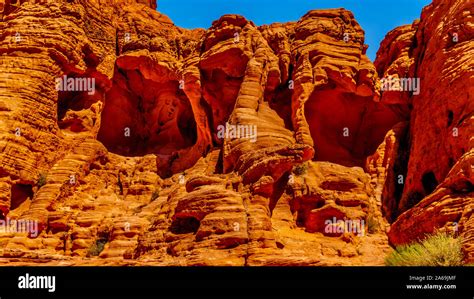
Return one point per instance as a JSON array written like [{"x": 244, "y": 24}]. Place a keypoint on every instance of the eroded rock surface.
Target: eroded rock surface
[
  {"x": 146, "y": 169},
  {"x": 434, "y": 157}
]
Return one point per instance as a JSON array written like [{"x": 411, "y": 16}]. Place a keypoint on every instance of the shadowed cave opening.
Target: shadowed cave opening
[
  {"x": 146, "y": 115},
  {"x": 185, "y": 225},
  {"x": 280, "y": 98},
  {"x": 429, "y": 182},
  {"x": 390, "y": 204},
  {"x": 450, "y": 118},
  {"x": 222, "y": 75},
  {"x": 279, "y": 101},
  {"x": 304, "y": 206},
  {"x": 71, "y": 100},
  {"x": 7, "y": 7},
  {"x": 20, "y": 193},
  {"x": 77, "y": 93},
  {"x": 346, "y": 128},
  {"x": 220, "y": 92}
]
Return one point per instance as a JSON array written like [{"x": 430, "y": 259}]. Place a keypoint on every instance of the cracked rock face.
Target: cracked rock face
[{"x": 136, "y": 169}]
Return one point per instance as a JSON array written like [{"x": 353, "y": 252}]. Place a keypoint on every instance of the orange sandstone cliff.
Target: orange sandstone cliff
[{"x": 145, "y": 170}]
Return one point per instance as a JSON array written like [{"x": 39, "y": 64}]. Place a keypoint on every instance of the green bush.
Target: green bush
[
  {"x": 155, "y": 195},
  {"x": 99, "y": 245},
  {"x": 41, "y": 180},
  {"x": 300, "y": 169},
  {"x": 440, "y": 249},
  {"x": 372, "y": 225},
  {"x": 97, "y": 248}
]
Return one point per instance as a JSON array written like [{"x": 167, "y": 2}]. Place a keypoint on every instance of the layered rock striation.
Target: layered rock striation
[{"x": 235, "y": 145}]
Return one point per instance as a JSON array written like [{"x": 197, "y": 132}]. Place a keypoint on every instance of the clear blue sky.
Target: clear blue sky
[{"x": 377, "y": 17}]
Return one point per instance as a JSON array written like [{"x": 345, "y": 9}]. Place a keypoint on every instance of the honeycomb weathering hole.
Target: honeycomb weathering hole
[
  {"x": 147, "y": 116},
  {"x": 346, "y": 128},
  {"x": 185, "y": 225},
  {"x": 79, "y": 100},
  {"x": 20, "y": 193}
]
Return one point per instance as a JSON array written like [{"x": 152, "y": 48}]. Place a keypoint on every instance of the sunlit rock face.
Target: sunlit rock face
[
  {"x": 235, "y": 145},
  {"x": 438, "y": 165}
]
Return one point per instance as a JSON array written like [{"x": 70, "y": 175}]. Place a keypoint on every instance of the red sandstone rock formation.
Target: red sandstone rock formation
[
  {"x": 438, "y": 191},
  {"x": 141, "y": 165}
]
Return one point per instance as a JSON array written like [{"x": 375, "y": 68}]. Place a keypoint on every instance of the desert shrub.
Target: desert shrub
[
  {"x": 440, "y": 249},
  {"x": 300, "y": 169},
  {"x": 41, "y": 180},
  {"x": 155, "y": 195},
  {"x": 99, "y": 244},
  {"x": 372, "y": 225}
]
